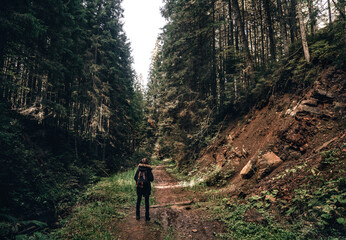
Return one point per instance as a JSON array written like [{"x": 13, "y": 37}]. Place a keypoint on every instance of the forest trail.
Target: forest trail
[{"x": 173, "y": 216}]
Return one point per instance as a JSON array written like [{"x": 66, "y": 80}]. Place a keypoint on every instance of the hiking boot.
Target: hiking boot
[
  {"x": 137, "y": 217},
  {"x": 147, "y": 219}
]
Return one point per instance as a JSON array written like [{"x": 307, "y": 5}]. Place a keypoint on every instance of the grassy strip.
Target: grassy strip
[{"x": 99, "y": 208}]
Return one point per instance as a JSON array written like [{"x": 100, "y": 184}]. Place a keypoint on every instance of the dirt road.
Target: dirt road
[{"x": 173, "y": 217}]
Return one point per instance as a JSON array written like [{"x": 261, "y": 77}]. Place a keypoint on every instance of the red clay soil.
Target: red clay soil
[
  {"x": 297, "y": 128},
  {"x": 173, "y": 216}
]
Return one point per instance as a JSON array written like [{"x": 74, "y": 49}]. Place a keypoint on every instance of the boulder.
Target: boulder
[
  {"x": 322, "y": 94},
  {"x": 309, "y": 109},
  {"x": 339, "y": 108},
  {"x": 247, "y": 170},
  {"x": 310, "y": 102},
  {"x": 267, "y": 163},
  {"x": 304, "y": 109},
  {"x": 238, "y": 152},
  {"x": 220, "y": 159}
]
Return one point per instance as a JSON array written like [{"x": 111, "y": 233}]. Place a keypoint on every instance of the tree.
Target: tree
[
  {"x": 303, "y": 34},
  {"x": 270, "y": 30}
]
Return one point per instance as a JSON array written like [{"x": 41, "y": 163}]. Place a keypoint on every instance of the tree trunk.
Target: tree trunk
[
  {"x": 270, "y": 30},
  {"x": 213, "y": 77},
  {"x": 329, "y": 12},
  {"x": 303, "y": 35},
  {"x": 293, "y": 25},
  {"x": 245, "y": 43},
  {"x": 221, "y": 74},
  {"x": 262, "y": 33},
  {"x": 231, "y": 21},
  {"x": 283, "y": 31},
  {"x": 312, "y": 16}
]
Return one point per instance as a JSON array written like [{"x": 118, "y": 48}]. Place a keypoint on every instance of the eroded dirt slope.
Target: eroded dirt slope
[{"x": 291, "y": 131}]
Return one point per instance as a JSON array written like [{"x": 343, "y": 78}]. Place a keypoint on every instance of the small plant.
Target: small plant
[
  {"x": 329, "y": 157},
  {"x": 99, "y": 207},
  {"x": 323, "y": 206}
]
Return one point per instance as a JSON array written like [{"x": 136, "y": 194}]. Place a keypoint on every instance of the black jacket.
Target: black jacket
[{"x": 150, "y": 176}]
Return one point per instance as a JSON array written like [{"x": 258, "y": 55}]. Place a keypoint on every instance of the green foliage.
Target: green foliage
[
  {"x": 327, "y": 48},
  {"x": 219, "y": 177},
  {"x": 323, "y": 206},
  {"x": 232, "y": 215},
  {"x": 330, "y": 157},
  {"x": 66, "y": 70},
  {"x": 99, "y": 208}
]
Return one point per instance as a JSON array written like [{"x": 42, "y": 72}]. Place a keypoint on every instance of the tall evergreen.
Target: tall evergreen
[
  {"x": 69, "y": 109},
  {"x": 214, "y": 59}
]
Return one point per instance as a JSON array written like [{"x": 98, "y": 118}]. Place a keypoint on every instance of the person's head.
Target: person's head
[{"x": 144, "y": 161}]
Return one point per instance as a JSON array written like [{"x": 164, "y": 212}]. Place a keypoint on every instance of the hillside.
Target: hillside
[{"x": 284, "y": 159}]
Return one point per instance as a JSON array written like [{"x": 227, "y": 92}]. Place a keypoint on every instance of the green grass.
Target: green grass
[{"x": 100, "y": 207}]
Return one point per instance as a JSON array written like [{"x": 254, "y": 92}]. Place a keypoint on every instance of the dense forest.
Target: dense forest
[
  {"x": 72, "y": 110},
  {"x": 70, "y": 105},
  {"x": 215, "y": 60}
]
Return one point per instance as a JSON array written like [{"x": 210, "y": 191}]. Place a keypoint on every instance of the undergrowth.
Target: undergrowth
[
  {"x": 99, "y": 208},
  {"x": 232, "y": 216},
  {"x": 315, "y": 210}
]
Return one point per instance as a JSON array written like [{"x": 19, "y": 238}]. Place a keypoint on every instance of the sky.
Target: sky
[{"x": 142, "y": 24}]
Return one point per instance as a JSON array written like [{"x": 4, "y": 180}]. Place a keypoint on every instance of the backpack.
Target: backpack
[{"x": 142, "y": 178}]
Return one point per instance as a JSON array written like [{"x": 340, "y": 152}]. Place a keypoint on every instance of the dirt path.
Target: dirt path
[{"x": 173, "y": 217}]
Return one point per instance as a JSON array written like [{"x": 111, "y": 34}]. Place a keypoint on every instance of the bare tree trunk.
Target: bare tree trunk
[
  {"x": 312, "y": 16},
  {"x": 270, "y": 30},
  {"x": 329, "y": 12},
  {"x": 76, "y": 146},
  {"x": 283, "y": 31},
  {"x": 293, "y": 26},
  {"x": 221, "y": 72},
  {"x": 213, "y": 77},
  {"x": 231, "y": 21},
  {"x": 245, "y": 43},
  {"x": 262, "y": 32},
  {"x": 302, "y": 33}
]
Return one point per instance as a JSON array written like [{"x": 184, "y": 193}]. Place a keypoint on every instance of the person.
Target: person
[{"x": 143, "y": 178}]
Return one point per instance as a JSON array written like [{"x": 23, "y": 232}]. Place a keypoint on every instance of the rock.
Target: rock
[
  {"x": 339, "y": 108},
  {"x": 247, "y": 170},
  {"x": 323, "y": 95},
  {"x": 252, "y": 215},
  {"x": 310, "y": 102},
  {"x": 305, "y": 109},
  {"x": 270, "y": 198},
  {"x": 272, "y": 159},
  {"x": 308, "y": 109},
  {"x": 220, "y": 159},
  {"x": 230, "y": 138},
  {"x": 238, "y": 152},
  {"x": 267, "y": 163}
]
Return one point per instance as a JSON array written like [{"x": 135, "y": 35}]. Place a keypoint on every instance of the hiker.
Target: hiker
[{"x": 143, "y": 177}]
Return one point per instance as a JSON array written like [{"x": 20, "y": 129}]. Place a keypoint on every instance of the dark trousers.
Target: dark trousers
[{"x": 142, "y": 192}]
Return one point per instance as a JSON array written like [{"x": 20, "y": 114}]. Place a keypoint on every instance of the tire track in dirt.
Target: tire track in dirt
[{"x": 172, "y": 216}]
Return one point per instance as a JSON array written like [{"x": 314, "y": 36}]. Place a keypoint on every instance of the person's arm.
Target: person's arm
[
  {"x": 136, "y": 176},
  {"x": 151, "y": 176}
]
